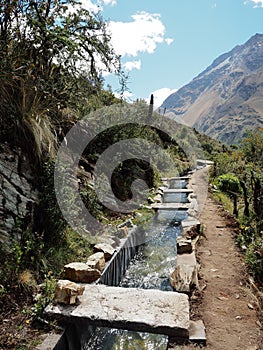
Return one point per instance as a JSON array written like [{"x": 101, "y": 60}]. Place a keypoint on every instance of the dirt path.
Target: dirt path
[{"x": 227, "y": 308}]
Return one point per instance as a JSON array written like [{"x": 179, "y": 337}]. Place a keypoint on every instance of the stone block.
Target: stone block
[
  {"x": 197, "y": 332},
  {"x": 185, "y": 275},
  {"x": 96, "y": 261},
  {"x": 157, "y": 198},
  {"x": 106, "y": 249},
  {"x": 81, "y": 272},
  {"x": 67, "y": 292}
]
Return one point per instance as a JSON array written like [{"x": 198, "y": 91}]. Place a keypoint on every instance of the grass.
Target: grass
[{"x": 223, "y": 199}]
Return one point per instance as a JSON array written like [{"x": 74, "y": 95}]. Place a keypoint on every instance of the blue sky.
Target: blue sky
[{"x": 165, "y": 43}]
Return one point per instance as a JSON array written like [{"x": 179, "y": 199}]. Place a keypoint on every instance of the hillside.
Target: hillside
[{"x": 225, "y": 99}]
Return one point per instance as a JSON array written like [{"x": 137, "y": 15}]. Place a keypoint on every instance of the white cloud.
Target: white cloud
[
  {"x": 169, "y": 41},
  {"x": 96, "y": 5},
  {"x": 130, "y": 65},
  {"x": 110, "y": 2},
  {"x": 160, "y": 95},
  {"x": 258, "y": 3},
  {"x": 127, "y": 95},
  {"x": 87, "y": 5},
  {"x": 140, "y": 35}
]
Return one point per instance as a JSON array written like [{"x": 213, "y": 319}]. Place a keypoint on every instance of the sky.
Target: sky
[{"x": 164, "y": 44}]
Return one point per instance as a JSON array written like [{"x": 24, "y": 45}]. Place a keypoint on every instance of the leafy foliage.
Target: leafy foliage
[
  {"x": 228, "y": 183},
  {"x": 238, "y": 172},
  {"x": 48, "y": 53}
]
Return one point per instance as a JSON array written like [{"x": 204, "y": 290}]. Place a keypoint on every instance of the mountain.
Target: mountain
[{"x": 225, "y": 99}]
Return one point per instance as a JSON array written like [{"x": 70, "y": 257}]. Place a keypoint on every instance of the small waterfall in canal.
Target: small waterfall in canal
[{"x": 145, "y": 266}]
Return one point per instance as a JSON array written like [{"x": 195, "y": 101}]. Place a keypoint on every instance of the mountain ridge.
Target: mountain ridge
[{"x": 226, "y": 98}]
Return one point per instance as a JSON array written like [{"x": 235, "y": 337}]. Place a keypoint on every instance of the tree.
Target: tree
[{"x": 51, "y": 55}]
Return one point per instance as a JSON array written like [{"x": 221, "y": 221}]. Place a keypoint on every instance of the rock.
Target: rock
[
  {"x": 148, "y": 207},
  {"x": 250, "y": 306},
  {"x": 162, "y": 188},
  {"x": 106, "y": 249},
  {"x": 18, "y": 196},
  {"x": 96, "y": 261},
  {"x": 197, "y": 332},
  {"x": 81, "y": 272},
  {"x": 127, "y": 223},
  {"x": 150, "y": 200},
  {"x": 113, "y": 241},
  {"x": 157, "y": 198},
  {"x": 185, "y": 275},
  {"x": 50, "y": 341},
  {"x": 143, "y": 310},
  {"x": 122, "y": 232},
  {"x": 189, "y": 223},
  {"x": 67, "y": 292},
  {"x": 184, "y": 245}
]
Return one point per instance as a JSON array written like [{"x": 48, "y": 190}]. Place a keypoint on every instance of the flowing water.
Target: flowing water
[{"x": 150, "y": 268}]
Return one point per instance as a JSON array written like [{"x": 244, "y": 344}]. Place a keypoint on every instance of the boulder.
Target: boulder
[
  {"x": 81, "y": 272},
  {"x": 106, "y": 249},
  {"x": 96, "y": 261},
  {"x": 67, "y": 292}
]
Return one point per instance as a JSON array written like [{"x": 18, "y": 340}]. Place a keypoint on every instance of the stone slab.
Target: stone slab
[
  {"x": 170, "y": 206},
  {"x": 185, "y": 273},
  {"x": 186, "y": 259},
  {"x": 178, "y": 190},
  {"x": 197, "y": 332},
  {"x": 145, "y": 310},
  {"x": 190, "y": 222},
  {"x": 204, "y": 162},
  {"x": 176, "y": 178},
  {"x": 49, "y": 342}
]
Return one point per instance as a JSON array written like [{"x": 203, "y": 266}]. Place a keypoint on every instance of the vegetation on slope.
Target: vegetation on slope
[{"x": 237, "y": 175}]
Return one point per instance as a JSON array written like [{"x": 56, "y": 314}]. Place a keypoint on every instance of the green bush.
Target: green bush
[
  {"x": 254, "y": 258},
  {"x": 228, "y": 183}
]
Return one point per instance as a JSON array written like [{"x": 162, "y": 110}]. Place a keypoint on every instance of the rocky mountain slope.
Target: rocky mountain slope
[{"x": 226, "y": 99}]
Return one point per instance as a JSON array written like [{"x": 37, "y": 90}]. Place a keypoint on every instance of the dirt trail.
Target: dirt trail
[{"x": 227, "y": 308}]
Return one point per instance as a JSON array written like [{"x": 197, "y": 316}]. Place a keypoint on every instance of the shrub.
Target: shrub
[{"x": 228, "y": 183}]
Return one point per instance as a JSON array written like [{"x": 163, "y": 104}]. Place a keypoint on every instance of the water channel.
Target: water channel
[{"x": 149, "y": 269}]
